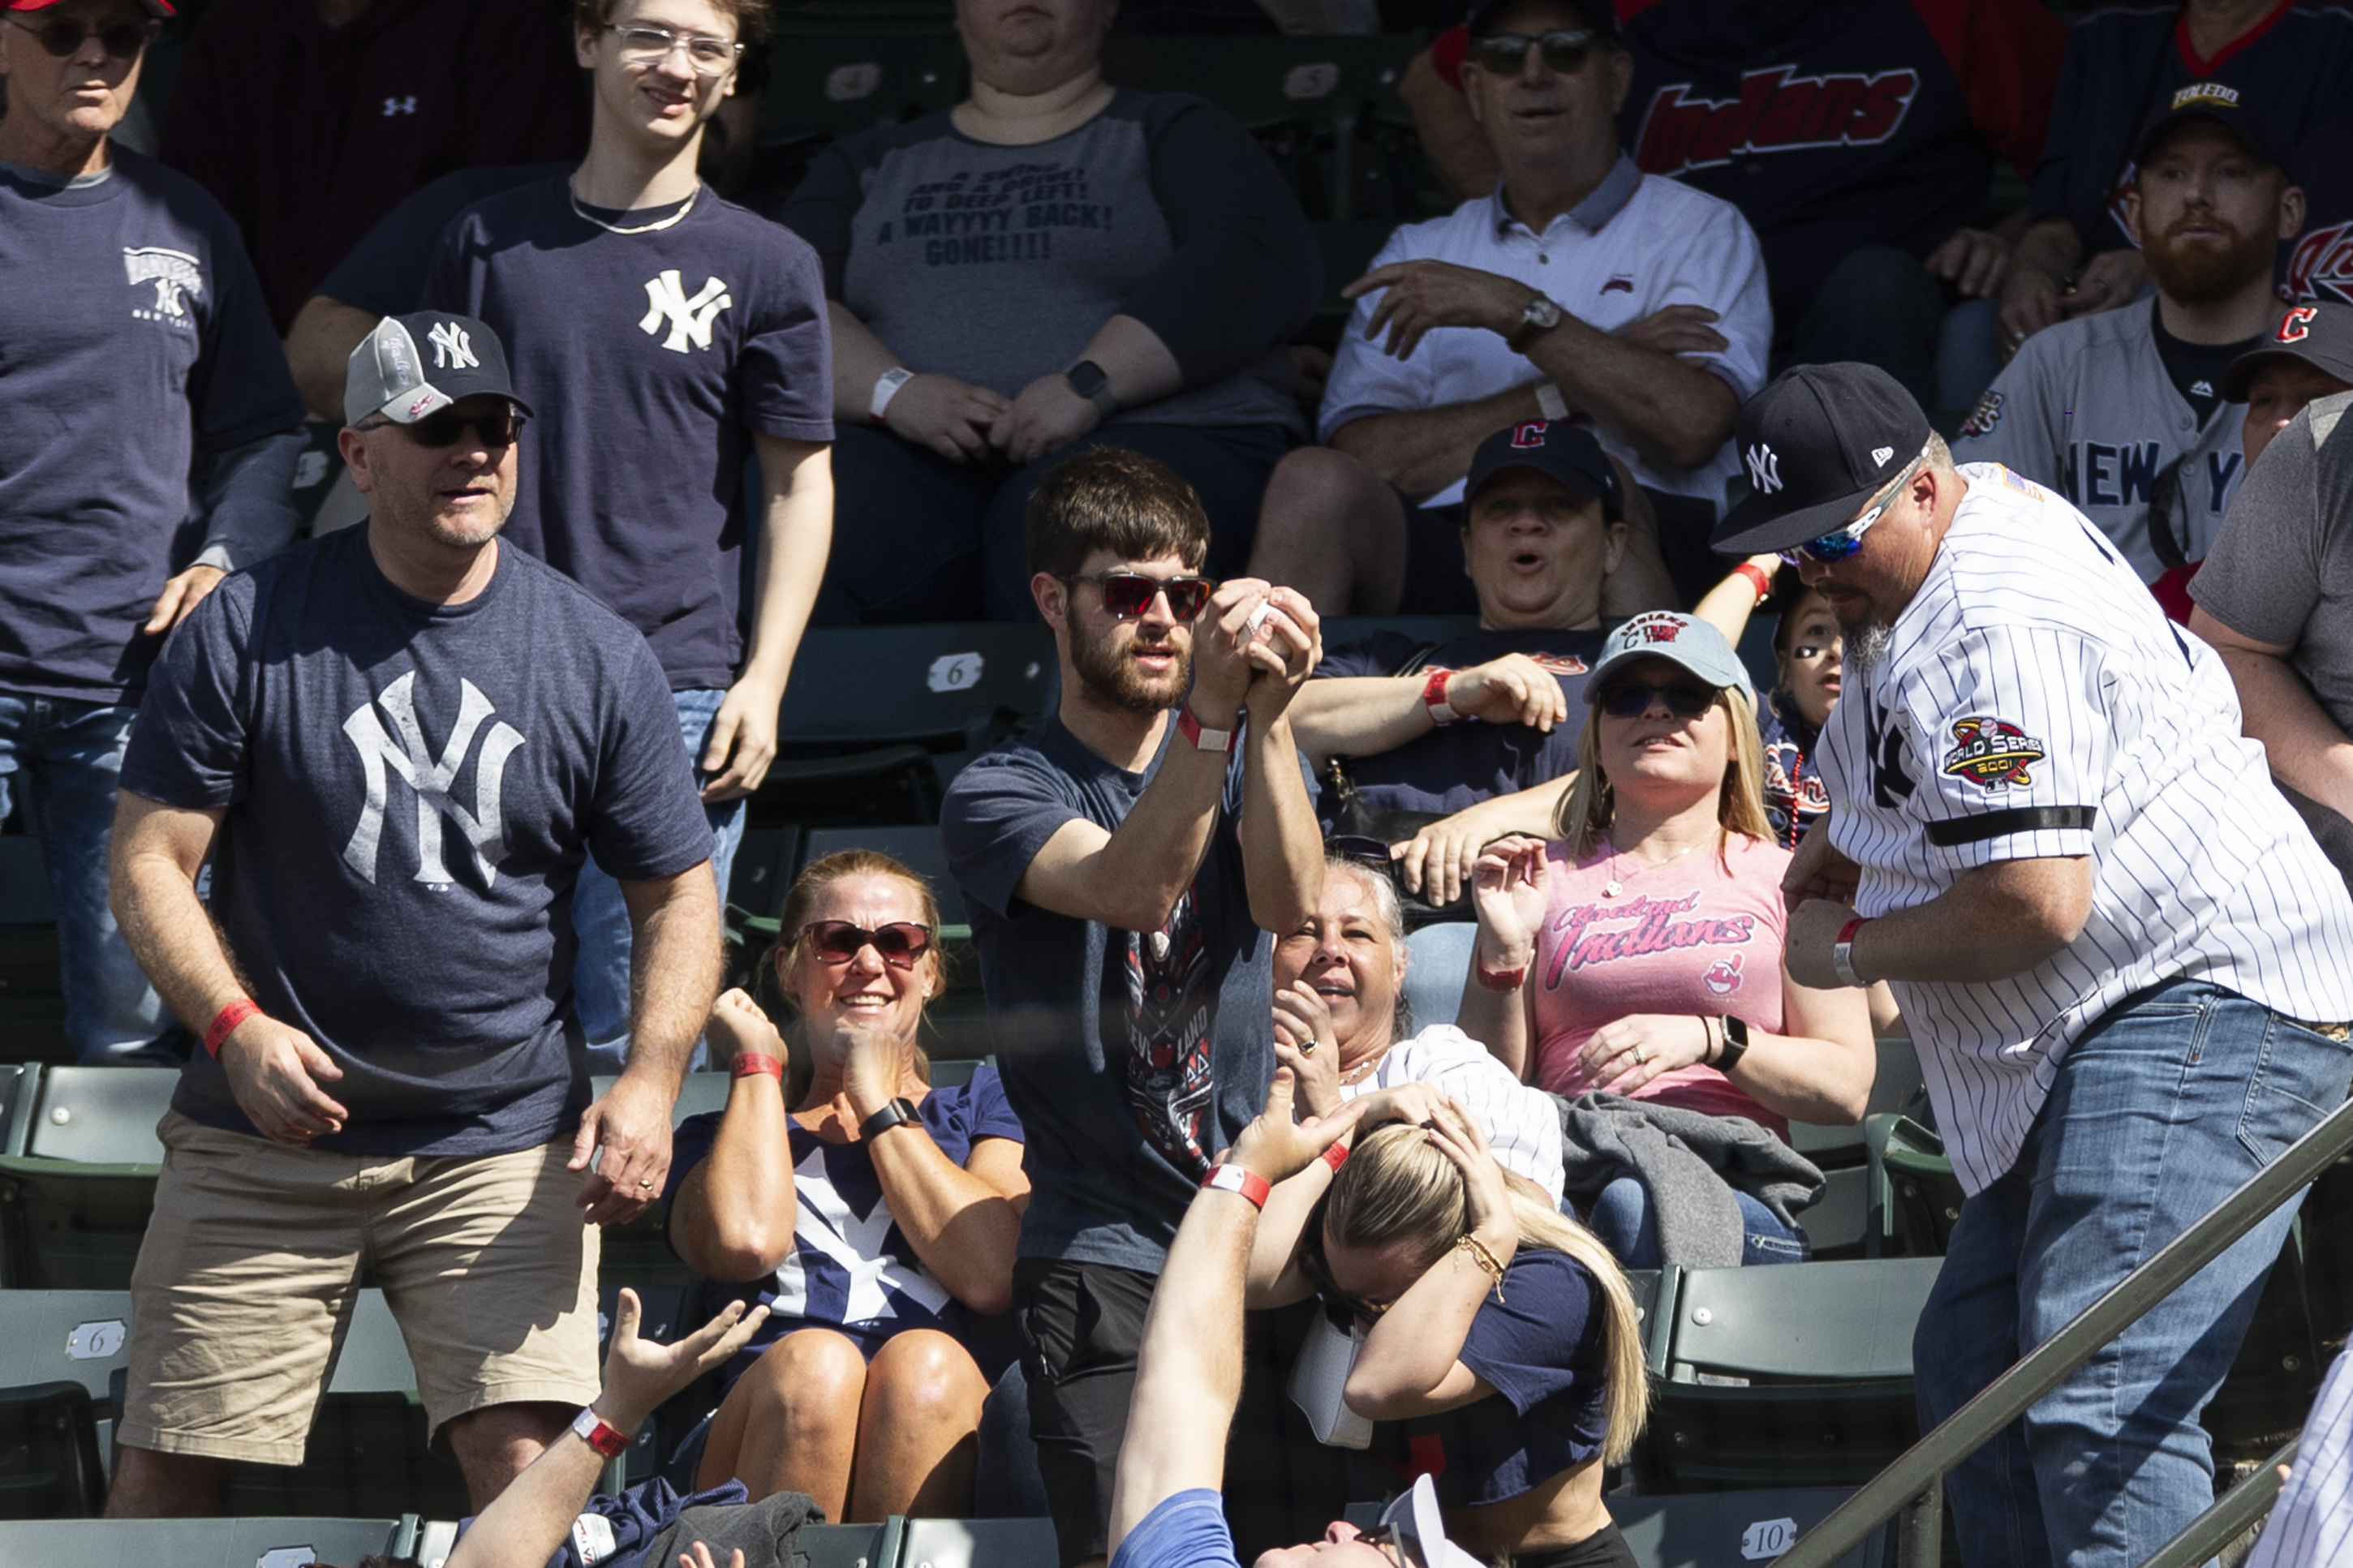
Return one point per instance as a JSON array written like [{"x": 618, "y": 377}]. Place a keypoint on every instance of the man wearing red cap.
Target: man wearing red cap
[{"x": 141, "y": 375}]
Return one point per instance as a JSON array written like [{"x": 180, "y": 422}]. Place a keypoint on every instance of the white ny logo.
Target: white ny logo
[
  {"x": 393, "y": 106},
  {"x": 1763, "y": 469},
  {"x": 690, "y": 319},
  {"x": 484, "y": 827},
  {"x": 452, "y": 348}
]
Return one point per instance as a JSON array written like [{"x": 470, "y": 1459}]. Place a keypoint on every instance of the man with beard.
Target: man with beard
[
  {"x": 1124, "y": 863},
  {"x": 2125, "y": 963},
  {"x": 2124, "y": 412}
]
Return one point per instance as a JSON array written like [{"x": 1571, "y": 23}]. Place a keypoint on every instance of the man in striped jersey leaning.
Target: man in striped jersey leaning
[{"x": 2122, "y": 958}]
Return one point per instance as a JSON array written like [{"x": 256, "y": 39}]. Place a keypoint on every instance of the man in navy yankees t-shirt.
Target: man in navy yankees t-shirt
[
  {"x": 137, "y": 373},
  {"x": 400, "y": 744},
  {"x": 665, "y": 335}
]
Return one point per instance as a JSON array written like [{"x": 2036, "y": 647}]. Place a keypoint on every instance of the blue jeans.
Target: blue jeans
[
  {"x": 1621, "y": 1218},
  {"x": 2160, "y": 1111},
  {"x": 73, "y": 753},
  {"x": 601, "y": 971},
  {"x": 1434, "y": 975}
]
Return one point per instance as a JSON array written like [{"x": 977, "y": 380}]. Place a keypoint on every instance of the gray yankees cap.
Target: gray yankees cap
[
  {"x": 1677, "y": 638},
  {"x": 413, "y": 366}
]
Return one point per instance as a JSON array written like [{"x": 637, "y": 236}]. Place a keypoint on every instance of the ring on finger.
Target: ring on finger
[
  {"x": 1306, "y": 1047},
  {"x": 1640, "y": 1056}
]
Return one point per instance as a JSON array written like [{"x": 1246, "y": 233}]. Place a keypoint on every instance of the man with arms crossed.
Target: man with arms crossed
[
  {"x": 400, "y": 743},
  {"x": 2124, "y": 960},
  {"x": 1123, "y": 862}
]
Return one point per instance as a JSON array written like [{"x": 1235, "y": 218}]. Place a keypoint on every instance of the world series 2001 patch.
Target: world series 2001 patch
[{"x": 1991, "y": 753}]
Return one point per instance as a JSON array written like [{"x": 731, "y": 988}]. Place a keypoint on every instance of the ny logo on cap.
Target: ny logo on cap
[
  {"x": 1531, "y": 434},
  {"x": 452, "y": 348},
  {"x": 1879, "y": 455},
  {"x": 2297, "y": 325},
  {"x": 1764, "y": 468}
]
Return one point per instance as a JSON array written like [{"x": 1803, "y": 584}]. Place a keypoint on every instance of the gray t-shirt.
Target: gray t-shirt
[
  {"x": 996, "y": 265},
  {"x": 2281, "y": 571}
]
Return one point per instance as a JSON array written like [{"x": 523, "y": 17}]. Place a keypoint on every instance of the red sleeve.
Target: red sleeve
[
  {"x": 2006, "y": 54},
  {"x": 1448, "y": 51}
]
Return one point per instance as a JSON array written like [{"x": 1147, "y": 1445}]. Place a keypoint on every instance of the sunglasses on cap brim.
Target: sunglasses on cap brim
[{"x": 1832, "y": 548}]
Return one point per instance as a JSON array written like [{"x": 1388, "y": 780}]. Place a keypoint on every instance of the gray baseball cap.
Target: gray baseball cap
[
  {"x": 1677, "y": 638},
  {"x": 411, "y": 367}
]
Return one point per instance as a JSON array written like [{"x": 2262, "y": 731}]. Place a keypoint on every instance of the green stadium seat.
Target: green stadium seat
[
  {"x": 763, "y": 869},
  {"x": 1913, "y": 1186},
  {"x": 19, "y": 1086},
  {"x": 852, "y": 1545},
  {"x": 1895, "y": 1088},
  {"x": 49, "y": 1464},
  {"x": 202, "y": 1543},
  {"x": 74, "y": 1204},
  {"x": 917, "y": 849},
  {"x": 1797, "y": 1375},
  {"x": 32, "y": 994},
  {"x": 24, "y": 898},
  {"x": 979, "y": 1544},
  {"x": 1704, "y": 1529},
  {"x": 818, "y": 92}
]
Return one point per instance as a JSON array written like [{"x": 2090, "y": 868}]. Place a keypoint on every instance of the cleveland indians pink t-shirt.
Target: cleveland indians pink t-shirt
[{"x": 1690, "y": 938}]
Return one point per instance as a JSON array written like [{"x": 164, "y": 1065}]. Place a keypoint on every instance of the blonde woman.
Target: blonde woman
[
  {"x": 1639, "y": 953},
  {"x": 1500, "y": 1334}
]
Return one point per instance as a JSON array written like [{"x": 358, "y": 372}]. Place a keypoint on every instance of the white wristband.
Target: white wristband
[
  {"x": 1842, "y": 964},
  {"x": 1549, "y": 402},
  {"x": 886, "y": 387}
]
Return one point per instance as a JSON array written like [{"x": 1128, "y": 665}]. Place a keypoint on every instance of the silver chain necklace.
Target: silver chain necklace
[{"x": 684, "y": 207}]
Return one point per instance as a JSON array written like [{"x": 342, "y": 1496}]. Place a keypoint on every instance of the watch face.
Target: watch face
[
  {"x": 1543, "y": 312},
  {"x": 1086, "y": 378}
]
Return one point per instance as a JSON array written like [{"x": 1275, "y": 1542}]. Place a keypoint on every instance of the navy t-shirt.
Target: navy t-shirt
[
  {"x": 411, "y": 789},
  {"x": 1460, "y": 765},
  {"x": 133, "y": 340},
  {"x": 851, "y": 1269},
  {"x": 650, "y": 360},
  {"x": 389, "y": 270},
  {"x": 1130, "y": 1058},
  {"x": 1543, "y": 1349}
]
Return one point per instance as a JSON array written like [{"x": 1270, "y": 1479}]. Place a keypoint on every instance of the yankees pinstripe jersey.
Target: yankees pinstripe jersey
[
  {"x": 2034, "y": 701},
  {"x": 2312, "y": 1527}
]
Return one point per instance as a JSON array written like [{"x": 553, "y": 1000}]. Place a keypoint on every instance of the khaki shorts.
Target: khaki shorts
[{"x": 251, "y": 1264}]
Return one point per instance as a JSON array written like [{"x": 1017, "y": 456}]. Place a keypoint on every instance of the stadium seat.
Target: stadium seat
[
  {"x": 49, "y": 1466},
  {"x": 638, "y": 1253},
  {"x": 917, "y": 849},
  {"x": 852, "y": 1545},
  {"x": 1704, "y": 1530},
  {"x": 279, "y": 1543},
  {"x": 19, "y": 1086},
  {"x": 24, "y": 898},
  {"x": 821, "y": 91},
  {"x": 1895, "y": 1089},
  {"x": 1913, "y": 1186},
  {"x": 75, "y": 1202},
  {"x": 1797, "y": 1375},
  {"x": 763, "y": 868},
  {"x": 979, "y": 1544}
]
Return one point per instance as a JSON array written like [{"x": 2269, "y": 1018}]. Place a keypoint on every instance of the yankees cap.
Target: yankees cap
[
  {"x": 2215, "y": 103},
  {"x": 2320, "y": 335},
  {"x": 1600, "y": 16},
  {"x": 413, "y": 366},
  {"x": 1814, "y": 445},
  {"x": 1553, "y": 447},
  {"x": 1673, "y": 636}
]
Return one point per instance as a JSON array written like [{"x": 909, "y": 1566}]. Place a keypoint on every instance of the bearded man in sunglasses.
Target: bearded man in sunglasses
[
  {"x": 398, "y": 744},
  {"x": 2127, "y": 966},
  {"x": 141, "y": 375}
]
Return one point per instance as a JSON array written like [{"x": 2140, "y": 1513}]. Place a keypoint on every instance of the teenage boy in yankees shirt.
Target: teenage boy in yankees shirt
[
  {"x": 399, "y": 743},
  {"x": 665, "y": 334},
  {"x": 2125, "y": 962}
]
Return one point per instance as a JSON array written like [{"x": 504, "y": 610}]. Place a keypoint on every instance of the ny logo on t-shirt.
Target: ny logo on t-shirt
[
  {"x": 174, "y": 274},
  {"x": 690, "y": 319},
  {"x": 430, "y": 778}
]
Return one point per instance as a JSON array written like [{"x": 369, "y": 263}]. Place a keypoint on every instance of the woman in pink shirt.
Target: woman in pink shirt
[{"x": 1640, "y": 954}]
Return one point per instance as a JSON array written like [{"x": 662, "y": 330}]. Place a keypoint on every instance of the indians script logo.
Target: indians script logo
[
  {"x": 431, "y": 779},
  {"x": 1991, "y": 753},
  {"x": 1531, "y": 434},
  {"x": 174, "y": 273},
  {"x": 690, "y": 319},
  {"x": 453, "y": 349},
  {"x": 1774, "y": 113},
  {"x": 1659, "y": 626},
  {"x": 1983, "y": 417},
  {"x": 1723, "y": 976},
  {"x": 2321, "y": 265},
  {"x": 1764, "y": 468}
]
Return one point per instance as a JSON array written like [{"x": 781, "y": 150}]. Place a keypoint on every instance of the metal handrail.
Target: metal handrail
[
  {"x": 1921, "y": 1468},
  {"x": 2229, "y": 1518}
]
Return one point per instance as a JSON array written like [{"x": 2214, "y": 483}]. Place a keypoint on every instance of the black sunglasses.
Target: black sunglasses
[
  {"x": 838, "y": 941},
  {"x": 1129, "y": 594},
  {"x": 447, "y": 429},
  {"x": 1338, "y": 1304},
  {"x": 1632, "y": 699},
  {"x": 121, "y": 39},
  {"x": 1565, "y": 49}
]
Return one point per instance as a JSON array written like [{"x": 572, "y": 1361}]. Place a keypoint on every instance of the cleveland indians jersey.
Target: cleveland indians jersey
[{"x": 2033, "y": 701}]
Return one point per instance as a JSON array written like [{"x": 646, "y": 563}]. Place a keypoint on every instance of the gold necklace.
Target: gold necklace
[{"x": 1613, "y": 887}]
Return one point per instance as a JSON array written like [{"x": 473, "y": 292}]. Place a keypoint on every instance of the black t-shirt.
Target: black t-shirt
[
  {"x": 1460, "y": 765},
  {"x": 2196, "y": 369},
  {"x": 387, "y": 272},
  {"x": 411, "y": 789}
]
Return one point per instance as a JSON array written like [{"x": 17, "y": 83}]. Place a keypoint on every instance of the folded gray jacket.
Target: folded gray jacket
[{"x": 1691, "y": 1162}]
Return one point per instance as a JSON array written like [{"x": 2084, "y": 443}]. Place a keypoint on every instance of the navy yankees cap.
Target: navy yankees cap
[
  {"x": 1555, "y": 446},
  {"x": 1815, "y": 444},
  {"x": 411, "y": 367},
  {"x": 1683, "y": 639},
  {"x": 1600, "y": 16},
  {"x": 2216, "y": 104},
  {"x": 2320, "y": 335}
]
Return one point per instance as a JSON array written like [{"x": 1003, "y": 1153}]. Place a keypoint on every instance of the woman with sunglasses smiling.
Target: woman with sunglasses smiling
[
  {"x": 1640, "y": 954},
  {"x": 1493, "y": 1327},
  {"x": 875, "y": 1215}
]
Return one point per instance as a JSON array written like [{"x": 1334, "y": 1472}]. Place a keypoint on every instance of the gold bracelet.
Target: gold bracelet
[{"x": 1485, "y": 1259}]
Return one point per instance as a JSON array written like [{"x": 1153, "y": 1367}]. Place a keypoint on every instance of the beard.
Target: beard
[
  {"x": 1866, "y": 645},
  {"x": 2201, "y": 272},
  {"x": 1105, "y": 669}
]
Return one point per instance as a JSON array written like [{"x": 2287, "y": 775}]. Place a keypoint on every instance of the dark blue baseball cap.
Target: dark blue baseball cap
[
  {"x": 1555, "y": 448},
  {"x": 2216, "y": 104},
  {"x": 1815, "y": 445},
  {"x": 1601, "y": 16}
]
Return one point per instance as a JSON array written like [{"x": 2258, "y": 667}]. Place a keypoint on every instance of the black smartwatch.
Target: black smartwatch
[
  {"x": 1736, "y": 1043},
  {"x": 1088, "y": 380},
  {"x": 889, "y": 1116}
]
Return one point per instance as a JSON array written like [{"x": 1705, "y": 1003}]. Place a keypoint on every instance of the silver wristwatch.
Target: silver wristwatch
[{"x": 1540, "y": 317}]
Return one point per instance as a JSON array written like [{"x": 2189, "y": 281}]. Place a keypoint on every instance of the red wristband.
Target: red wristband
[
  {"x": 1846, "y": 932},
  {"x": 1757, "y": 576},
  {"x": 225, "y": 1021},
  {"x": 1498, "y": 979},
  {"x": 1433, "y": 698},
  {"x": 748, "y": 1063},
  {"x": 1336, "y": 1157},
  {"x": 599, "y": 1434},
  {"x": 1238, "y": 1179},
  {"x": 1843, "y": 952}
]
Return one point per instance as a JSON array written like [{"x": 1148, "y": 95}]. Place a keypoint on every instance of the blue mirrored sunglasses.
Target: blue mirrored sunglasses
[{"x": 1832, "y": 548}]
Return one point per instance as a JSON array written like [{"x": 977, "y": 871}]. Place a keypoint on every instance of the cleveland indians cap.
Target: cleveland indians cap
[
  {"x": 154, "y": 7},
  {"x": 2219, "y": 104},
  {"x": 1677, "y": 637},
  {"x": 1566, "y": 452},
  {"x": 413, "y": 366},
  {"x": 2320, "y": 335},
  {"x": 1421, "y": 1528},
  {"x": 1600, "y": 16},
  {"x": 1815, "y": 445}
]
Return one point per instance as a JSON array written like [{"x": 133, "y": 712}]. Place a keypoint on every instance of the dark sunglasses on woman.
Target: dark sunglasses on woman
[
  {"x": 838, "y": 941},
  {"x": 1631, "y": 699},
  {"x": 1129, "y": 594},
  {"x": 1318, "y": 1270},
  {"x": 121, "y": 39},
  {"x": 1564, "y": 50}
]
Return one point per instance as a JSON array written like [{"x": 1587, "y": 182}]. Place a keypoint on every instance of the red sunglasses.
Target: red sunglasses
[
  {"x": 838, "y": 941},
  {"x": 1129, "y": 594}
]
